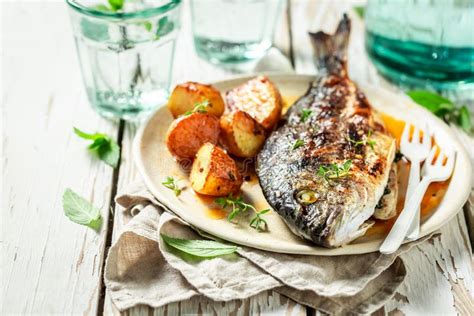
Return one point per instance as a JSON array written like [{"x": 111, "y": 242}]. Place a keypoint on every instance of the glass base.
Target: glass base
[
  {"x": 222, "y": 52},
  {"x": 127, "y": 108}
]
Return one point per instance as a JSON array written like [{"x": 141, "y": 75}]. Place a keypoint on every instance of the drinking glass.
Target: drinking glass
[
  {"x": 233, "y": 31},
  {"x": 125, "y": 53},
  {"x": 423, "y": 43}
]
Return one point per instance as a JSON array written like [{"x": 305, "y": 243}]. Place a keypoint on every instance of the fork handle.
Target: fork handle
[
  {"x": 413, "y": 181},
  {"x": 400, "y": 228}
]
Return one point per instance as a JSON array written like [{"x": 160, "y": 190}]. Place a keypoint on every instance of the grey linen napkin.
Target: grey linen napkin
[{"x": 141, "y": 269}]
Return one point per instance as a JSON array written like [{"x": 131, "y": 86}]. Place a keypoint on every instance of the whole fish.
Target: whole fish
[{"x": 327, "y": 165}]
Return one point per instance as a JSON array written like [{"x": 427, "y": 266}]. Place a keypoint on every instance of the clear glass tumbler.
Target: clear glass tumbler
[
  {"x": 423, "y": 43},
  {"x": 233, "y": 31},
  {"x": 126, "y": 53}
]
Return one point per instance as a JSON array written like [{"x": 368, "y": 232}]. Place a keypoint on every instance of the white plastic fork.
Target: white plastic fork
[
  {"x": 416, "y": 151},
  {"x": 432, "y": 171}
]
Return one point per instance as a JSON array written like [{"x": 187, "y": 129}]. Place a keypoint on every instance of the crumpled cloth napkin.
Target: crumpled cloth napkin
[{"x": 141, "y": 269}]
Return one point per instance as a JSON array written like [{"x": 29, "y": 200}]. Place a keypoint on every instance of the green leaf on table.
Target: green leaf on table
[
  {"x": 81, "y": 211},
  {"x": 199, "y": 248},
  {"x": 464, "y": 119},
  {"x": 360, "y": 10},
  {"x": 105, "y": 147},
  {"x": 116, "y": 4},
  {"x": 431, "y": 101},
  {"x": 443, "y": 108}
]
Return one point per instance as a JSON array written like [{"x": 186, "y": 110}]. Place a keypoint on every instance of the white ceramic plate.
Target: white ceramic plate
[{"x": 155, "y": 163}]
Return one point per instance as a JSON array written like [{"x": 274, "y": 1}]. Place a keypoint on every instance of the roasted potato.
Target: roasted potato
[
  {"x": 241, "y": 134},
  {"x": 186, "y": 95},
  {"x": 214, "y": 172},
  {"x": 258, "y": 97},
  {"x": 188, "y": 133}
]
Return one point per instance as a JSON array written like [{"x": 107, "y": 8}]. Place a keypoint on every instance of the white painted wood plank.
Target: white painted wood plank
[
  {"x": 50, "y": 265},
  {"x": 188, "y": 67},
  {"x": 439, "y": 273}
]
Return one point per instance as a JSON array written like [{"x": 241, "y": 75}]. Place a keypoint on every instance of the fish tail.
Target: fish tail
[{"x": 330, "y": 51}]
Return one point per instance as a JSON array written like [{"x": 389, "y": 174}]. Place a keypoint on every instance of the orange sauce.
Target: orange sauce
[
  {"x": 288, "y": 101},
  {"x": 216, "y": 213},
  {"x": 433, "y": 196}
]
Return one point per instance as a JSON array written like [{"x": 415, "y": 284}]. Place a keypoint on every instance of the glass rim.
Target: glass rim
[{"x": 145, "y": 13}]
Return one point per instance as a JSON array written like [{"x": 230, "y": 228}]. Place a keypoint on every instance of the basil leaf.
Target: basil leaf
[
  {"x": 116, "y": 4},
  {"x": 80, "y": 211},
  {"x": 103, "y": 146},
  {"x": 360, "y": 10},
  {"x": 199, "y": 248},
  {"x": 464, "y": 119},
  {"x": 432, "y": 101}
]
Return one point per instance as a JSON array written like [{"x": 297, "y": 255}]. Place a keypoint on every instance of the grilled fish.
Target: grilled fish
[{"x": 326, "y": 166}]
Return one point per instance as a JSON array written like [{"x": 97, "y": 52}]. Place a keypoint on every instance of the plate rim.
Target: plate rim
[{"x": 361, "y": 248}]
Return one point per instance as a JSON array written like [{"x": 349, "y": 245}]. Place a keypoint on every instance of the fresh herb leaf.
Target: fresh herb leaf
[
  {"x": 116, "y": 4},
  {"x": 81, "y": 211},
  {"x": 240, "y": 207},
  {"x": 171, "y": 184},
  {"x": 297, "y": 143},
  {"x": 102, "y": 7},
  {"x": 200, "y": 107},
  {"x": 363, "y": 142},
  {"x": 443, "y": 108},
  {"x": 106, "y": 148},
  {"x": 335, "y": 171},
  {"x": 258, "y": 222},
  {"x": 305, "y": 114},
  {"x": 147, "y": 25},
  {"x": 464, "y": 119},
  {"x": 199, "y": 248},
  {"x": 360, "y": 10}
]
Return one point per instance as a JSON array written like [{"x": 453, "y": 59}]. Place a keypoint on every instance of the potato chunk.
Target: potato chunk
[
  {"x": 214, "y": 172},
  {"x": 188, "y": 133},
  {"x": 258, "y": 97},
  {"x": 186, "y": 95},
  {"x": 241, "y": 135}
]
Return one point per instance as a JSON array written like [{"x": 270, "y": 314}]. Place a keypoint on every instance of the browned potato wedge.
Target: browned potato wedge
[
  {"x": 214, "y": 172},
  {"x": 188, "y": 133},
  {"x": 186, "y": 95},
  {"x": 258, "y": 97},
  {"x": 241, "y": 135}
]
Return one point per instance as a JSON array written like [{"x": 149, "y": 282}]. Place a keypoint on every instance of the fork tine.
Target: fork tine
[
  {"x": 415, "y": 138},
  {"x": 451, "y": 156},
  {"x": 426, "y": 135},
  {"x": 431, "y": 155},
  {"x": 441, "y": 157},
  {"x": 406, "y": 134}
]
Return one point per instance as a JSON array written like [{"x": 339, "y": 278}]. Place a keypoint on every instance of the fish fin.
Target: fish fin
[{"x": 330, "y": 51}]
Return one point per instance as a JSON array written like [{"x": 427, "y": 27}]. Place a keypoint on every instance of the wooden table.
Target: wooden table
[{"x": 51, "y": 265}]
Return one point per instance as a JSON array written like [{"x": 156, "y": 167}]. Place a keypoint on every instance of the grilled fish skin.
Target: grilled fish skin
[{"x": 341, "y": 128}]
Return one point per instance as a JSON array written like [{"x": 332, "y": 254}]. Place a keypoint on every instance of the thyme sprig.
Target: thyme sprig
[
  {"x": 199, "y": 107},
  {"x": 363, "y": 142},
  {"x": 172, "y": 184},
  {"x": 335, "y": 171},
  {"x": 240, "y": 207}
]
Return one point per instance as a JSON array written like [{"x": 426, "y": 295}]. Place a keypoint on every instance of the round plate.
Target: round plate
[{"x": 155, "y": 163}]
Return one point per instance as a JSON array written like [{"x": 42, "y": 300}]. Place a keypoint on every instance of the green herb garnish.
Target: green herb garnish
[
  {"x": 443, "y": 108},
  {"x": 335, "y": 171},
  {"x": 199, "y": 248},
  {"x": 240, "y": 207},
  {"x": 297, "y": 143},
  {"x": 360, "y": 10},
  {"x": 200, "y": 107},
  {"x": 116, "y": 4},
  {"x": 105, "y": 147},
  {"x": 363, "y": 142},
  {"x": 81, "y": 211},
  {"x": 258, "y": 222},
  {"x": 305, "y": 114},
  {"x": 171, "y": 184}
]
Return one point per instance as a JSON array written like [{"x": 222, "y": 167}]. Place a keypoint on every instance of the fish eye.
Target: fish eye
[{"x": 306, "y": 197}]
